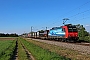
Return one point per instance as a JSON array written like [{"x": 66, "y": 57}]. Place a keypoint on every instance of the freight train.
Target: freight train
[{"x": 65, "y": 33}]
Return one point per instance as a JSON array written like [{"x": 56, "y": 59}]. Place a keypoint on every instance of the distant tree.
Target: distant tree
[
  {"x": 8, "y": 35},
  {"x": 82, "y": 33},
  {"x": 41, "y": 31},
  {"x": 2, "y": 34}
]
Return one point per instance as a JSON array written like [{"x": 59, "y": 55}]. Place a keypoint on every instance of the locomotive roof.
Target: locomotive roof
[
  {"x": 55, "y": 28},
  {"x": 70, "y": 25}
]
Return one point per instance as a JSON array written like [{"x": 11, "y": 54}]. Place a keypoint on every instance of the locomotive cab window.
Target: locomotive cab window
[{"x": 72, "y": 29}]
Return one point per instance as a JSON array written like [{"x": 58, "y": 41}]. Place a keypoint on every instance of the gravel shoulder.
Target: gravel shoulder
[{"x": 80, "y": 48}]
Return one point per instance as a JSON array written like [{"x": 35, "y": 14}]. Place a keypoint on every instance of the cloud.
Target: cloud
[{"x": 87, "y": 25}]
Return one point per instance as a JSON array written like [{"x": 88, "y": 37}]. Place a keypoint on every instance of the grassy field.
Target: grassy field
[
  {"x": 21, "y": 52},
  {"x": 42, "y": 54},
  {"x": 8, "y": 38},
  {"x": 39, "y": 50},
  {"x": 6, "y": 49},
  {"x": 73, "y": 55}
]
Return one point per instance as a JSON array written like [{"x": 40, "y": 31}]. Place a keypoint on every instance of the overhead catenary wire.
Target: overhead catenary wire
[
  {"x": 78, "y": 13},
  {"x": 78, "y": 8}
]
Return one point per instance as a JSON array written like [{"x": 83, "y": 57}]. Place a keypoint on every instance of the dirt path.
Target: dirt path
[
  {"x": 30, "y": 57},
  {"x": 16, "y": 52}
]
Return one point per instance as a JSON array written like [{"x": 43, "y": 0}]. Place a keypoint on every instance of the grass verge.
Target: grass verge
[
  {"x": 21, "y": 52},
  {"x": 42, "y": 54},
  {"x": 74, "y": 55},
  {"x": 8, "y": 52}
]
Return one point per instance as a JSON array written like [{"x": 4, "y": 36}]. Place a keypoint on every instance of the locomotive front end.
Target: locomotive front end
[{"x": 72, "y": 32}]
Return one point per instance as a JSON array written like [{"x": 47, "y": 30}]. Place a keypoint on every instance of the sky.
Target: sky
[{"x": 17, "y": 16}]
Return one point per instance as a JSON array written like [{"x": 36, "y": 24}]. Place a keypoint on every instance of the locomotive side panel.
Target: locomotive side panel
[{"x": 56, "y": 33}]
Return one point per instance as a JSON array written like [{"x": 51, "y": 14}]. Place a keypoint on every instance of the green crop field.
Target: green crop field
[
  {"x": 21, "y": 52},
  {"x": 6, "y": 49}
]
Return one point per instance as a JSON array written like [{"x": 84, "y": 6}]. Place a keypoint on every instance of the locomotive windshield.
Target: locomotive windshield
[{"x": 72, "y": 29}]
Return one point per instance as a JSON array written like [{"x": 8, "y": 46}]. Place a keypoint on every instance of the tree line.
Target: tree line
[
  {"x": 82, "y": 33},
  {"x": 8, "y": 35}
]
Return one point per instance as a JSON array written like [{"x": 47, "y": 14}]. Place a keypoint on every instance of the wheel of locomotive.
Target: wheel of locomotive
[
  {"x": 66, "y": 40},
  {"x": 71, "y": 40},
  {"x": 63, "y": 40}
]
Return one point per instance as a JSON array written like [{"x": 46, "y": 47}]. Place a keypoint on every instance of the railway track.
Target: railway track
[
  {"x": 83, "y": 43},
  {"x": 77, "y": 43}
]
